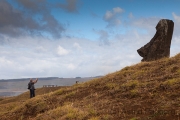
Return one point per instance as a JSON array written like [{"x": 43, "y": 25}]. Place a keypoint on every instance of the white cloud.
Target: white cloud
[
  {"x": 77, "y": 46},
  {"x": 176, "y": 24},
  {"x": 40, "y": 49},
  {"x": 5, "y": 62},
  {"x": 175, "y": 49},
  {"x": 104, "y": 37},
  {"x": 117, "y": 22},
  {"x": 131, "y": 15},
  {"x": 113, "y": 17},
  {"x": 62, "y": 51},
  {"x": 71, "y": 66},
  {"x": 109, "y": 15},
  {"x": 176, "y": 18},
  {"x": 118, "y": 10},
  {"x": 145, "y": 23},
  {"x": 90, "y": 60}
]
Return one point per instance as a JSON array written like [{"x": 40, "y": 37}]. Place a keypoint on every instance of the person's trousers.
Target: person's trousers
[{"x": 32, "y": 93}]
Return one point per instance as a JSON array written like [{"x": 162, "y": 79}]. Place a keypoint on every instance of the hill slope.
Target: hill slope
[{"x": 148, "y": 90}]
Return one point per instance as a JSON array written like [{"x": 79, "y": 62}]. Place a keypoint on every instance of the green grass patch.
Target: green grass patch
[
  {"x": 114, "y": 86},
  {"x": 71, "y": 94},
  {"x": 59, "y": 92}
]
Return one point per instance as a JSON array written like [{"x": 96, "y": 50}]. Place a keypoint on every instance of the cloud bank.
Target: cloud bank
[
  {"x": 32, "y": 43},
  {"x": 32, "y": 17}
]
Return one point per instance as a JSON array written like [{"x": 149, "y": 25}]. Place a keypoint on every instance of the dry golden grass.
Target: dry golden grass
[{"x": 148, "y": 90}]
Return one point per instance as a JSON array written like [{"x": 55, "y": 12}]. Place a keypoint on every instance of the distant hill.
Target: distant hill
[
  {"x": 145, "y": 91},
  {"x": 13, "y": 87},
  {"x": 24, "y": 79}
]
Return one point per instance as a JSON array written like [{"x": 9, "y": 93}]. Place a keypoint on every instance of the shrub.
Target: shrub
[{"x": 59, "y": 92}]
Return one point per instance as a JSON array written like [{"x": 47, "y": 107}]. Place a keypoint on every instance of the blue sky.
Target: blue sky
[{"x": 70, "y": 38}]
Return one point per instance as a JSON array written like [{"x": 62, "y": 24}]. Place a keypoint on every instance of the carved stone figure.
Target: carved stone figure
[{"x": 159, "y": 45}]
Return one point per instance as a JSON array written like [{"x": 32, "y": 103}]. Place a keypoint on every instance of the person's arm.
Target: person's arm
[{"x": 35, "y": 81}]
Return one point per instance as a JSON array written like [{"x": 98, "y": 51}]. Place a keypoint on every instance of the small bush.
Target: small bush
[
  {"x": 106, "y": 117},
  {"x": 71, "y": 94},
  {"x": 133, "y": 119},
  {"x": 59, "y": 92},
  {"x": 171, "y": 82},
  {"x": 134, "y": 93},
  {"x": 131, "y": 84},
  {"x": 112, "y": 86},
  {"x": 94, "y": 118}
]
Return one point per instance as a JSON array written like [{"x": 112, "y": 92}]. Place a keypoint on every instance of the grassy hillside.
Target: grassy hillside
[{"x": 145, "y": 91}]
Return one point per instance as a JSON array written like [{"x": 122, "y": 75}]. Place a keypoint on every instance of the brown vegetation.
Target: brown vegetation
[{"x": 148, "y": 90}]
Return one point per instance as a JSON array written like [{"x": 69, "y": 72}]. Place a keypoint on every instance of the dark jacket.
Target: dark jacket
[{"x": 31, "y": 85}]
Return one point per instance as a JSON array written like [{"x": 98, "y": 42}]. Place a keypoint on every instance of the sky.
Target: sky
[{"x": 78, "y": 38}]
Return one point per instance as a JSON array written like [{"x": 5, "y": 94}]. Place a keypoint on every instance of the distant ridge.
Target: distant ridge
[
  {"x": 13, "y": 87},
  {"x": 22, "y": 79},
  {"x": 44, "y": 78}
]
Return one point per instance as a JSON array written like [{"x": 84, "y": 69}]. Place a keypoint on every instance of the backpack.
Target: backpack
[{"x": 29, "y": 85}]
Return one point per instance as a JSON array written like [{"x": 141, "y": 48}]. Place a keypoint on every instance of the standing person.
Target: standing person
[{"x": 31, "y": 87}]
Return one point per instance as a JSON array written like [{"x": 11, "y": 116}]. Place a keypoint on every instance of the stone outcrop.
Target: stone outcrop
[{"x": 159, "y": 45}]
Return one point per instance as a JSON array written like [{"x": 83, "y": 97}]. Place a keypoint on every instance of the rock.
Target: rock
[{"x": 159, "y": 45}]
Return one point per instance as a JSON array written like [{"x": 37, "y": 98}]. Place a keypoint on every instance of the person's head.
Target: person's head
[{"x": 31, "y": 80}]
